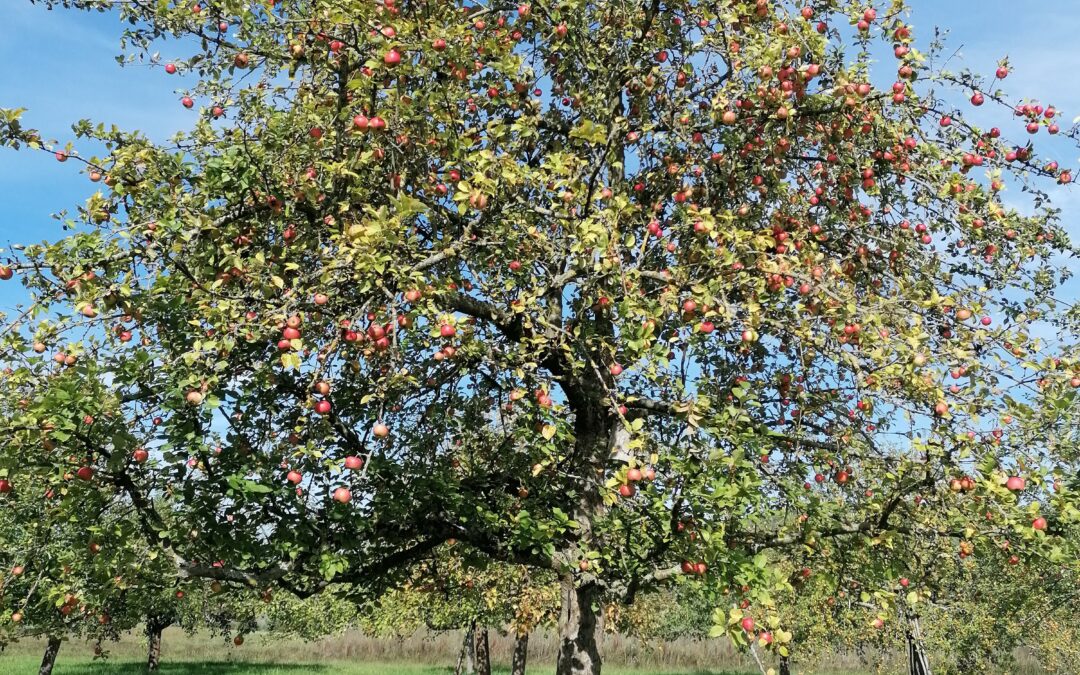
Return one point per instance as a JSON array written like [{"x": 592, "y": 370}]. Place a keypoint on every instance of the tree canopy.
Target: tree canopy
[{"x": 621, "y": 290}]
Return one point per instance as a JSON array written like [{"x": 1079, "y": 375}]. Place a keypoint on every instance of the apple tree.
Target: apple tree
[
  {"x": 622, "y": 291},
  {"x": 69, "y": 578},
  {"x": 459, "y": 589}
]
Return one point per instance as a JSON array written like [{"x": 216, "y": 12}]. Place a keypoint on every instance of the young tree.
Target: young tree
[
  {"x": 457, "y": 589},
  {"x": 549, "y": 279},
  {"x": 76, "y": 578}
]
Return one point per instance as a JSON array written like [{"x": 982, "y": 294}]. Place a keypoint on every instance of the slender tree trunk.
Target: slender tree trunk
[
  {"x": 461, "y": 654},
  {"x": 521, "y": 654},
  {"x": 49, "y": 659},
  {"x": 579, "y": 653},
  {"x": 470, "y": 649},
  {"x": 785, "y": 665},
  {"x": 918, "y": 663},
  {"x": 153, "y": 638},
  {"x": 482, "y": 651}
]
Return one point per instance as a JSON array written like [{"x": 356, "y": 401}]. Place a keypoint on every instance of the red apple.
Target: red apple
[
  {"x": 380, "y": 430},
  {"x": 1015, "y": 483},
  {"x": 140, "y": 455},
  {"x": 353, "y": 462},
  {"x": 342, "y": 495},
  {"x": 322, "y": 407}
]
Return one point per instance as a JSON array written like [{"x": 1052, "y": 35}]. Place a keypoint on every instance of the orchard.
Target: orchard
[{"x": 740, "y": 301}]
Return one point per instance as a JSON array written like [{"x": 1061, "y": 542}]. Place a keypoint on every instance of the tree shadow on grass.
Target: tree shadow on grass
[
  {"x": 188, "y": 668},
  {"x": 255, "y": 668},
  {"x": 543, "y": 667}
]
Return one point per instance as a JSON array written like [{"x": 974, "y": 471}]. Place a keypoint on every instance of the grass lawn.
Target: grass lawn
[
  {"x": 25, "y": 664},
  {"x": 351, "y": 653}
]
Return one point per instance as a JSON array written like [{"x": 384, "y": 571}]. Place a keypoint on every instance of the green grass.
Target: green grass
[
  {"x": 351, "y": 653},
  {"x": 25, "y": 664}
]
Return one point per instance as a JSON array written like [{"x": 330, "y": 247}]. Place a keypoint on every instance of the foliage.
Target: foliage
[
  {"x": 622, "y": 292},
  {"x": 457, "y": 588}
]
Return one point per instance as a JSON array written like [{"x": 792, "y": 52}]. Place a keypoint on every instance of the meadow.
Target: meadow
[{"x": 354, "y": 654}]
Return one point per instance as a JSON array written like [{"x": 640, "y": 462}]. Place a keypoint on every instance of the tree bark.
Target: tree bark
[
  {"x": 468, "y": 651},
  {"x": 461, "y": 654},
  {"x": 153, "y": 638},
  {"x": 521, "y": 654},
  {"x": 918, "y": 663},
  {"x": 482, "y": 651},
  {"x": 49, "y": 659},
  {"x": 579, "y": 653},
  {"x": 785, "y": 665}
]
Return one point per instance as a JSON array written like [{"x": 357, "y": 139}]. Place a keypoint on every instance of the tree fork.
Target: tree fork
[{"x": 154, "y": 628}]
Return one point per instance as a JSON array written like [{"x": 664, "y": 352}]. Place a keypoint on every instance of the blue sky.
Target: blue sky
[{"x": 61, "y": 66}]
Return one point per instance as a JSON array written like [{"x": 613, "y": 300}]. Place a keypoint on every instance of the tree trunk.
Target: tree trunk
[
  {"x": 153, "y": 638},
  {"x": 918, "y": 663},
  {"x": 521, "y": 654},
  {"x": 785, "y": 665},
  {"x": 482, "y": 651},
  {"x": 470, "y": 649},
  {"x": 461, "y": 654},
  {"x": 578, "y": 650},
  {"x": 49, "y": 659}
]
